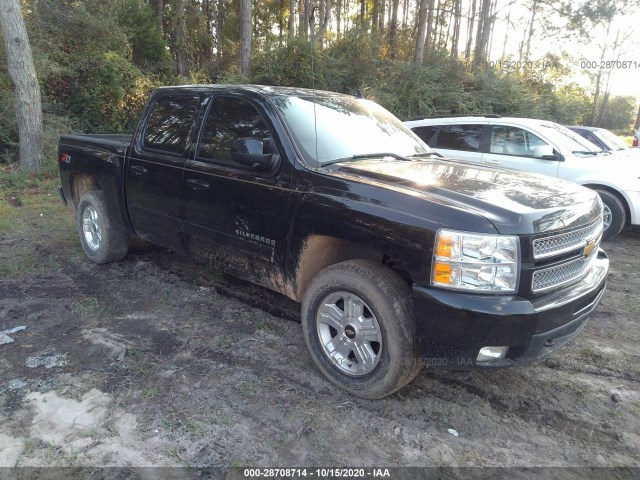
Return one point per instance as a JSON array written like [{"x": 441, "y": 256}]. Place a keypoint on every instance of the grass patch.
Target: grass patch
[
  {"x": 246, "y": 388},
  {"x": 88, "y": 306},
  {"x": 37, "y": 231}
]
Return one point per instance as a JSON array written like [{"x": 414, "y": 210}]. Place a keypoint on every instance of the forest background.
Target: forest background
[{"x": 97, "y": 60}]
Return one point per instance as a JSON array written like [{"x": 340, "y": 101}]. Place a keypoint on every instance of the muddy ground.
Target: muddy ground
[{"x": 159, "y": 361}]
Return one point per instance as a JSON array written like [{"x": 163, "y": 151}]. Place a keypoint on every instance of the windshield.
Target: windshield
[
  {"x": 345, "y": 128},
  {"x": 571, "y": 141},
  {"x": 611, "y": 140}
]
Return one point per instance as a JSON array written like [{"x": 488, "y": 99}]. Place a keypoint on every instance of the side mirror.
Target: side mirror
[
  {"x": 250, "y": 152},
  {"x": 546, "y": 152}
]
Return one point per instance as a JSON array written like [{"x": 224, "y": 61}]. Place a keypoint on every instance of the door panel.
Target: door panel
[
  {"x": 236, "y": 214},
  {"x": 155, "y": 169}
]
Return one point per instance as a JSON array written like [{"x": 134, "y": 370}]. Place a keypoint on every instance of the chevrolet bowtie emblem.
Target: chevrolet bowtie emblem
[{"x": 591, "y": 246}]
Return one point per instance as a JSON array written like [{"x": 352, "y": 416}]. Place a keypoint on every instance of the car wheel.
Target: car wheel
[
  {"x": 614, "y": 216},
  {"x": 358, "y": 323},
  {"x": 101, "y": 240}
]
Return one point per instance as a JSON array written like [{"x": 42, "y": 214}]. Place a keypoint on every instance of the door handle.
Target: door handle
[
  {"x": 197, "y": 184},
  {"x": 138, "y": 170}
]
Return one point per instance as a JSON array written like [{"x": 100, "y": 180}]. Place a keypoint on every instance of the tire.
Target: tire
[
  {"x": 376, "y": 348},
  {"x": 101, "y": 240},
  {"x": 614, "y": 214}
]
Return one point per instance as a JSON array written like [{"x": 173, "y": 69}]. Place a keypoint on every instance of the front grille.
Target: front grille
[
  {"x": 562, "y": 274},
  {"x": 566, "y": 242}
]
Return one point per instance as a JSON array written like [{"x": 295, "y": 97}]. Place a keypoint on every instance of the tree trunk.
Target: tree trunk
[
  {"x": 303, "y": 21},
  {"x": 472, "y": 21},
  {"x": 534, "y": 10},
  {"x": 405, "y": 13},
  {"x": 455, "y": 41},
  {"x": 429, "y": 34},
  {"x": 245, "y": 37},
  {"x": 596, "y": 94},
  {"x": 160, "y": 15},
  {"x": 208, "y": 43},
  {"x": 603, "y": 109},
  {"x": 422, "y": 31},
  {"x": 182, "y": 65},
  {"x": 375, "y": 15},
  {"x": 23, "y": 75},
  {"x": 338, "y": 17},
  {"x": 605, "y": 99},
  {"x": 292, "y": 18},
  {"x": 445, "y": 38},
  {"x": 393, "y": 30},
  {"x": 324, "y": 17},
  {"x": 492, "y": 19},
  {"x": 482, "y": 34},
  {"x": 219, "y": 29},
  {"x": 383, "y": 6},
  {"x": 506, "y": 33},
  {"x": 436, "y": 26}
]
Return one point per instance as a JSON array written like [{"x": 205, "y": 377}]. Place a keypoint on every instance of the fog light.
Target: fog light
[{"x": 491, "y": 353}]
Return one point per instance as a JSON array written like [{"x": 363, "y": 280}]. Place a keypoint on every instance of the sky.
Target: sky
[{"x": 625, "y": 77}]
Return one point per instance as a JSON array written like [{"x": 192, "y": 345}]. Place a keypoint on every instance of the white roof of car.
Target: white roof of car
[{"x": 478, "y": 119}]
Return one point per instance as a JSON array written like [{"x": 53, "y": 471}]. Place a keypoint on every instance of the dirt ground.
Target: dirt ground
[{"x": 160, "y": 361}]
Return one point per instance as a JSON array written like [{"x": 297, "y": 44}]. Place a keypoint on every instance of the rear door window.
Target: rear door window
[
  {"x": 169, "y": 123},
  {"x": 460, "y": 137}
]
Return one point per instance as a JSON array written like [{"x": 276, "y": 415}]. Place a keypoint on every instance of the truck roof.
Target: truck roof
[{"x": 266, "y": 90}]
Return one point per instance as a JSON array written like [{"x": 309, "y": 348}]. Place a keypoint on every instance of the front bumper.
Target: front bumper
[{"x": 453, "y": 327}]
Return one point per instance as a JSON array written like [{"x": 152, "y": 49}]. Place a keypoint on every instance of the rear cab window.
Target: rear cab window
[{"x": 169, "y": 124}]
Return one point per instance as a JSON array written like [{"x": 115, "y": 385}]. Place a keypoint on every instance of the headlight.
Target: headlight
[{"x": 468, "y": 261}]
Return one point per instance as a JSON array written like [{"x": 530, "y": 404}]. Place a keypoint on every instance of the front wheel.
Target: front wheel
[
  {"x": 614, "y": 216},
  {"x": 358, "y": 323},
  {"x": 101, "y": 240}
]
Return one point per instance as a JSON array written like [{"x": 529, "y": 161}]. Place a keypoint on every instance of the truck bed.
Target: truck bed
[{"x": 117, "y": 143}]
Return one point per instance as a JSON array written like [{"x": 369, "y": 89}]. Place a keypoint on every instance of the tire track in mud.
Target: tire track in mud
[
  {"x": 197, "y": 273},
  {"x": 535, "y": 412}
]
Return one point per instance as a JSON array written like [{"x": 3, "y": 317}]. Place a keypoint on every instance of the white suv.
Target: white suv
[{"x": 543, "y": 147}]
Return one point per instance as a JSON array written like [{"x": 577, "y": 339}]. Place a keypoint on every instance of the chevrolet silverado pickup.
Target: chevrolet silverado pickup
[{"x": 399, "y": 257}]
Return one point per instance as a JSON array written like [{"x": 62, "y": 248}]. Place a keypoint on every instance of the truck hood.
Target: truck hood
[{"x": 513, "y": 201}]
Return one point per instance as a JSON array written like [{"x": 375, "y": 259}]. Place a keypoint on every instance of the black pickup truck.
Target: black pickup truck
[{"x": 400, "y": 258}]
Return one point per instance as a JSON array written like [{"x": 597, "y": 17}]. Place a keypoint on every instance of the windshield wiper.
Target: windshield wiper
[
  {"x": 365, "y": 156},
  {"x": 585, "y": 152},
  {"x": 427, "y": 154},
  {"x": 381, "y": 155}
]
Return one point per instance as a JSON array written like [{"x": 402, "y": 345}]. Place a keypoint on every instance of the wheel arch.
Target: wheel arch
[
  {"x": 618, "y": 195},
  {"x": 318, "y": 252},
  {"x": 82, "y": 183}
]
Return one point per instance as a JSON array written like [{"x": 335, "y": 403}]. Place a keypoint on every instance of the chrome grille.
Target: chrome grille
[
  {"x": 565, "y": 242},
  {"x": 562, "y": 274}
]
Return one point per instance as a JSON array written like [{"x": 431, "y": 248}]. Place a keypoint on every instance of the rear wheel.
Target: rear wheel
[
  {"x": 614, "y": 216},
  {"x": 101, "y": 240},
  {"x": 357, "y": 319}
]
